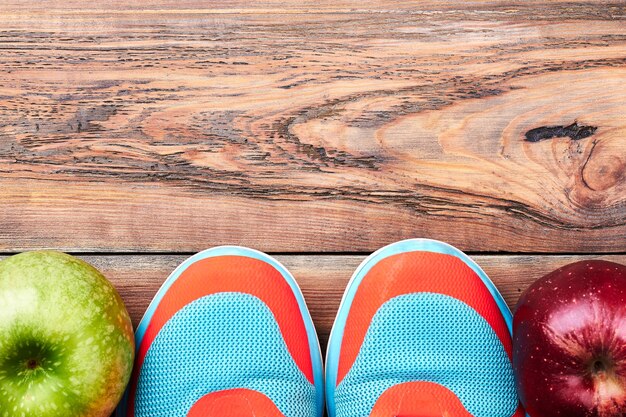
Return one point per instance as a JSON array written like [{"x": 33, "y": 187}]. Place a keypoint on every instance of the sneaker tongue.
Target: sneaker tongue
[
  {"x": 418, "y": 399},
  {"x": 234, "y": 403},
  {"x": 231, "y": 405},
  {"x": 425, "y": 414},
  {"x": 422, "y": 404}
]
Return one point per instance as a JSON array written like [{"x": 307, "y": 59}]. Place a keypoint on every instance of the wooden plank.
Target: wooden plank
[
  {"x": 322, "y": 278},
  {"x": 325, "y": 128},
  {"x": 540, "y": 7}
]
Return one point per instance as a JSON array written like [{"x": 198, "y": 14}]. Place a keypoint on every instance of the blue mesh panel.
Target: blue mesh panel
[
  {"x": 219, "y": 342},
  {"x": 434, "y": 338}
]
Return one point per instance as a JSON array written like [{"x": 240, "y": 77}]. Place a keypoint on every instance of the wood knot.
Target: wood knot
[
  {"x": 573, "y": 131},
  {"x": 603, "y": 170}
]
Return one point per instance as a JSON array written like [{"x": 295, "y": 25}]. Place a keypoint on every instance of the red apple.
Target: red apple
[{"x": 569, "y": 342}]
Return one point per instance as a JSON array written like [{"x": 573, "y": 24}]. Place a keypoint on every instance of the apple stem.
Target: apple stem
[
  {"x": 32, "y": 364},
  {"x": 598, "y": 366}
]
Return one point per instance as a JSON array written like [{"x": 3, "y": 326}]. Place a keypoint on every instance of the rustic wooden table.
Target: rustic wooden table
[{"x": 317, "y": 131}]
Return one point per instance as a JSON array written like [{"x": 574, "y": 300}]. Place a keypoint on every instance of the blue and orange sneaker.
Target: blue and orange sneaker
[
  {"x": 421, "y": 331},
  {"x": 228, "y": 334}
]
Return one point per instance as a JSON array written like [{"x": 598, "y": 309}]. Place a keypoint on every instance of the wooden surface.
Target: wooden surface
[
  {"x": 317, "y": 130},
  {"x": 312, "y": 126}
]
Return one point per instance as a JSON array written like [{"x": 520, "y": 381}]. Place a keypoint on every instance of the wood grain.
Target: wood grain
[
  {"x": 312, "y": 126},
  {"x": 322, "y": 278}
]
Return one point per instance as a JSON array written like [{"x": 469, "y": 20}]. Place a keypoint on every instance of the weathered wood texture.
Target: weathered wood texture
[
  {"x": 312, "y": 126},
  {"x": 322, "y": 278}
]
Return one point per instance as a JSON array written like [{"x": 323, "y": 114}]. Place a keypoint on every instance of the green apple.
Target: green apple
[{"x": 66, "y": 339}]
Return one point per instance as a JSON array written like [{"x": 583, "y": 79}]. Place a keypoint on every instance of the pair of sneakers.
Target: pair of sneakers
[{"x": 421, "y": 332}]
